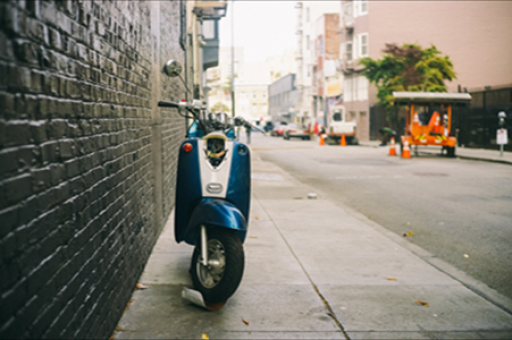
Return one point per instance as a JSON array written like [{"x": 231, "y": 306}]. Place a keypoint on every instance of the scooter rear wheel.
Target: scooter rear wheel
[{"x": 219, "y": 280}]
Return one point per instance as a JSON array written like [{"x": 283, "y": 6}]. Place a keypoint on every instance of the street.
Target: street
[
  {"x": 318, "y": 268},
  {"x": 458, "y": 210}
]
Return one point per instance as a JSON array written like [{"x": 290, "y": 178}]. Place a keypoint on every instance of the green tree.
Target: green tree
[
  {"x": 218, "y": 106},
  {"x": 407, "y": 68},
  {"x": 227, "y": 84}
]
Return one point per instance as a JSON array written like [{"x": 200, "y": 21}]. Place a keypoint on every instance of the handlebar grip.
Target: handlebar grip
[{"x": 168, "y": 104}]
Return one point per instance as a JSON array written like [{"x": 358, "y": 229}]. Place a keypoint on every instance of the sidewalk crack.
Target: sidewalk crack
[{"x": 315, "y": 287}]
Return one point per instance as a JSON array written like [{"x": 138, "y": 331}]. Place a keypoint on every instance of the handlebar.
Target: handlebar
[
  {"x": 205, "y": 124},
  {"x": 168, "y": 104}
]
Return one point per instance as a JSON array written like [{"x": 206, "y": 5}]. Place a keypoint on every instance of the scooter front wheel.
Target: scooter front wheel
[{"x": 218, "y": 280}]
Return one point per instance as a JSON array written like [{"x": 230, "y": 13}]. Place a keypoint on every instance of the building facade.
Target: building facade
[
  {"x": 251, "y": 100},
  {"x": 218, "y": 79},
  {"x": 327, "y": 79},
  {"x": 473, "y": 34},
  {"x": 307, "y": 14},
  {"x": 283, "y": 98}
]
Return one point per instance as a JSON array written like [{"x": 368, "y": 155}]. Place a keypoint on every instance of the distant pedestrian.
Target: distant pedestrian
[
  {"x": 248, "y": 132},
  {"x": 386, "y": 133}
]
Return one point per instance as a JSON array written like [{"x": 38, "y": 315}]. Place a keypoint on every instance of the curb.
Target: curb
[
  {"x": 476, "y": 286},
  {"x": 473, "y": 158},
  {"x": 469, "y": 158}
]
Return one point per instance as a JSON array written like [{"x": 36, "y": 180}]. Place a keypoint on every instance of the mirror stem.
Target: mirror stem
[{"x": 185, "y": 84}]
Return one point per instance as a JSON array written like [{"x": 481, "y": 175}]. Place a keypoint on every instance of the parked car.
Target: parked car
[
  {"x": 292, "y": 130},
  {"x": 278, "y": 130},
  {"x": 269, "y": 126}
]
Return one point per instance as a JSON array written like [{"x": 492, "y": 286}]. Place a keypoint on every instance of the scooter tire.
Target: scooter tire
[{"x": 233, "y": 270}]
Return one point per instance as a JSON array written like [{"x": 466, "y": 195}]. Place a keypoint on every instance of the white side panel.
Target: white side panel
[{"x": 219, "y": 175}]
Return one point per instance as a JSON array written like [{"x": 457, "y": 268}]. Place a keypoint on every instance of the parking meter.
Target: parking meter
[
  {"x": 501, "y": 137},
  {"x": 501, "y": 117}
]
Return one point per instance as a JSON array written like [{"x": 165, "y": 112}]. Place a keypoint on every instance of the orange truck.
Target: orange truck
[{"x": 429, "y": 117}]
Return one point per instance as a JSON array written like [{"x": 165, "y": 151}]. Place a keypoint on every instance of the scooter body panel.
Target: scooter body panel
[
  {"x": 196, "y": 203},
  {"x": 218, "y": 213},
  {"x": 239, "y": 186},
  {"x": 188, "y": 187}
]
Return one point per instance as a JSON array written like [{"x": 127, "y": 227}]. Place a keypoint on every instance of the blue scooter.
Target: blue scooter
[{"x": 212, "y": 200}]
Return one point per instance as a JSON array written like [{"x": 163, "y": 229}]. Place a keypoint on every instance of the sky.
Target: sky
[{"x": 263, "y": 28}]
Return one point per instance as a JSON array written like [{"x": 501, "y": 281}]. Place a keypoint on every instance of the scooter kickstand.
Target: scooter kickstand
[{"x": 204, "y": 246}]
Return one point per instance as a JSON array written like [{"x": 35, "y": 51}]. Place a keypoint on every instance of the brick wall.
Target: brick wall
[{"x": 87, "y": 161}]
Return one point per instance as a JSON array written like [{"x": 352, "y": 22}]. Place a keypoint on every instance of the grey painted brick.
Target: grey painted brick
[
  {"x": 78, "y": 105},
  {"x": 18, "y": 188},
  {"x": 38, "y": 131},
  {"x": 49, "y": 152},
  {"x": 8, "y": 161}
]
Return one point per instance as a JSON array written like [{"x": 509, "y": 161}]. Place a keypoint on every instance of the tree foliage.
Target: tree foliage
[
  {"x": 407, "y": 68},
  {"x": 227, "y": 84},
  {"x": 220, "y": 107}
]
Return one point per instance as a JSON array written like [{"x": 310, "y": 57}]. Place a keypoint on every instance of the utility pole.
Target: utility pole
[{"x": 232, "y": 58}]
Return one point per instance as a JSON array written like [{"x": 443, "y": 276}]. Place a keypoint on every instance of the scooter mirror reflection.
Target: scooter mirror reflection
[
  {"x": 222, "y": 118},
  {"x": 172, "y": 68}
]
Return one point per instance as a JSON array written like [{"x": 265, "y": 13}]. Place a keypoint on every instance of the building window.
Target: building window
[
  {"x": 254, "y": 108},
  {"x": 208, "y": 29},
  {"x": 349, "y": 18},
  {"x": 307, "y": 14},
  {"x": 360, "y": 7},
  {"x": 363, "y": 45},
  {"x": 264, "y": 108},
  {"x": 254, "y": 95},
  {"x": 362, "y": 88},
  {"x": 363, "y": 8},
  {"x": 348, "y": 51},
  {"x": 307, "y": 42},
  {"x": 347, "y": 90}
]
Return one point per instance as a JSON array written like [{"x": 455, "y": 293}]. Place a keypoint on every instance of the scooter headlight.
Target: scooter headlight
[{"x": 215, "y": 150}]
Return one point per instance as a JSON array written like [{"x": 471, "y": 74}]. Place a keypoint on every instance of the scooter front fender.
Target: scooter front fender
[{"x": 217, "y": 213}]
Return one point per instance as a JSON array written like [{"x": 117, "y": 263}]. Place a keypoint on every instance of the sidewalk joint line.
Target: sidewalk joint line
[{"x": 326, "y": 303}]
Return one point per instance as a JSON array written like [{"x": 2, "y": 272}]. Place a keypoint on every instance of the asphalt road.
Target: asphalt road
[{"x": 458, "y": 210}]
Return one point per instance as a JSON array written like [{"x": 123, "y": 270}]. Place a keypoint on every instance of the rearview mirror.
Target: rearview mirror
[{"x": 172, "y": 68}]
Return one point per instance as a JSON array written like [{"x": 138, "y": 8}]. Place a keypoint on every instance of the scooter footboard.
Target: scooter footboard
[{"x": 215, "y": 212}]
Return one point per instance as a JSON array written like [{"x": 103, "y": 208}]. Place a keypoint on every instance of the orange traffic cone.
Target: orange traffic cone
[
  {"x": 343, "y": 142},
  {"x": 392, "y": 149},
  {"x": 322, "y": 140},
  {"x": 406, "y": 152}
]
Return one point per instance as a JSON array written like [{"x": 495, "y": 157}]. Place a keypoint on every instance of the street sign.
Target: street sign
[{"x": 501, "y": 137}]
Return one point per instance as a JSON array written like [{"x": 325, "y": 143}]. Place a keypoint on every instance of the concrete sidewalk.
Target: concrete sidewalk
[
  {"x": 460, "y": 152},
  {"x": 315, "y": 270}
]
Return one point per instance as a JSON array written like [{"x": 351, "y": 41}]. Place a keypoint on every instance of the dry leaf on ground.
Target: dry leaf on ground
[
  {"x": 391, "y": 279},
  {"x": 128, "y": 304},
  {"x": 466, "y": 255},
  {"x": 141, "y": 286},
  {"x": 408, "y": 234},
  {"x": 204, "y": 336},
  {"x": 256, "y": 217},
  {"x": 423, "y": 303},
  {"x": 246, "y": 322}
]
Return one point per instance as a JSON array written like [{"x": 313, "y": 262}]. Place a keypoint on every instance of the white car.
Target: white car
[{"x": 292, "y": 130}]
